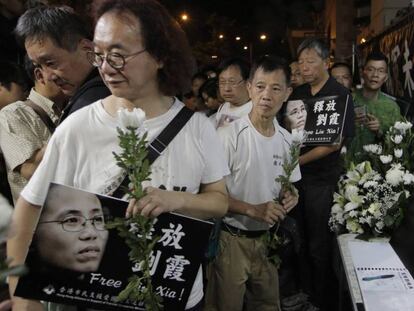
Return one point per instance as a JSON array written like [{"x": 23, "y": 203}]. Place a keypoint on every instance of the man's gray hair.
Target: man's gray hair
[{"x": 318, "y": 45}]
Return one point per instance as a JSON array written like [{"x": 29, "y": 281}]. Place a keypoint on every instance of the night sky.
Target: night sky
[{"x": 208, "y": 18}]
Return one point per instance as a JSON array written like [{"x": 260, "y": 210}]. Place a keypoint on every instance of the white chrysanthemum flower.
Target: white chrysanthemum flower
[
  {"x": 134, "y": 118},
  {"x": 402, "y": 126},
  {"x": 394, "y": 175},
  {"x": 373, "y": 148},
  {"x": 397, "y": 139},
  {"x": 385, "y": 159},
  {"x": 353, "y": 226},
  {"x": 370, "y": 183},
  {"x": 408, "y": 178},
  {"x": 298, "y": 136},
  {"x": 398, "y": 153},
  {"x": 379, "y": 225},
  {"x": 373, "y": 207}
]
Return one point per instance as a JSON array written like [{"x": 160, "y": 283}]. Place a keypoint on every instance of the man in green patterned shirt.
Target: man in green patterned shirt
[{"x": 375, "y": 111}]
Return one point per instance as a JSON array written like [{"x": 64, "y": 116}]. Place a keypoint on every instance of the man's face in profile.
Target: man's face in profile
[
  {"x": 71, "y": 232},
  {"x": 67, "y": 69}
]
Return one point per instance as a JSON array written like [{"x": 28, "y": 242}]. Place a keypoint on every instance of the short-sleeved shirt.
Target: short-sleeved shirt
[
  {"x": 80, "y": 154},
  {"x": 91, "y": 90},
  {"x": 228, "y": 113},
  {"x": 22, "y": 133},
  {"x": 384, "y": 109},
  {"x": 255, "y": 161},
  {"x": 327, "y": 169}
]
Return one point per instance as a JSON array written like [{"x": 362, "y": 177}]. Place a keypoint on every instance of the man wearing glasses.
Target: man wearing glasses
[
  {"x": 375, "y": 111},
  {"x": 144, "y": 62},
  {"x": 57, "y": 40},
  {"x": 71, "y": 232},
  {"x": 233, "y": 75}
]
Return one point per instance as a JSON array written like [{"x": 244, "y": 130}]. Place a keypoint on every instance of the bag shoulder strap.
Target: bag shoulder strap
[
  {"x": 42, "y": 115},
  {"x": 158, "y": 145}
]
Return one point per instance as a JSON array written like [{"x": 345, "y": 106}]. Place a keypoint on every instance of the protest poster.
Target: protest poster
[
  {"x": 322, "y": 118},
  {"x": 75, "y": 260}
]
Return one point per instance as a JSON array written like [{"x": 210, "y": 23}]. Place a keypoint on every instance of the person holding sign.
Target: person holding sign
[
  {"x": 321, "y": 167},
  {"x": 375, "y": 111},
  {"x": 242, "y": 276},
  {"x": 144, "y": 58}
]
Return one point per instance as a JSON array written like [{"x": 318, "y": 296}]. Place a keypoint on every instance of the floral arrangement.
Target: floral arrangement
[
  {"x": 373, "y": 194},
  {"x": 271, "y": 239},
  {"x": 136, "y": 230}
]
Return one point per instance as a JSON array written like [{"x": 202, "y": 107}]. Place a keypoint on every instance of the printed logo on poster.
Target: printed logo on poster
[{"x": 74, "y": 259}]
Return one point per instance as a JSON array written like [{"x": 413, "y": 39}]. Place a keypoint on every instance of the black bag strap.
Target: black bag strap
[
  {"x": 158, "y": 145},
  {"x": 42, "y": 115}
]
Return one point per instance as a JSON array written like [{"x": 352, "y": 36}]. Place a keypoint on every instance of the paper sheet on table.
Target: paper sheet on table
[{"x": 386, "y": 285}]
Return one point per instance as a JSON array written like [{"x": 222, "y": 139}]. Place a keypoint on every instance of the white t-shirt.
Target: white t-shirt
[
  {"x": 255, "y": 161},
  {"x": 79, "y": 154},
  {"x": 228, "y": 113}
]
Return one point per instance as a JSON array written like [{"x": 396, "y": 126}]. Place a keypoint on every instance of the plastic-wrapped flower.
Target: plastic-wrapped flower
[
  {"x": 385, "y": 159},
  {"x": 398, "y": 153}
]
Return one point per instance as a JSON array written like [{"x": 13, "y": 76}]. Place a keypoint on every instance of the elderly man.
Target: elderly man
[
  {"x": 233, "y": 75},
  {"x": 321, "y": 168},
  {"x": 145, "y": 62},
  {"x": 242, "y": 277},
  {"x": 57, "y": 40},
  {"x": 26, "y": 126}
]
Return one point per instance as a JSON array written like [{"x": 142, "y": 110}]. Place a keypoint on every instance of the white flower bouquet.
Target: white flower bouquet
[
  {"x": 132, "y": 136},
  {"x": 372, "y": 195}
]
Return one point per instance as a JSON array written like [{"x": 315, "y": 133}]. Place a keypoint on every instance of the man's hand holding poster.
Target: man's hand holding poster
[
  {"x": 322, "y": 118},
  {"x": 74, "y": 259}
]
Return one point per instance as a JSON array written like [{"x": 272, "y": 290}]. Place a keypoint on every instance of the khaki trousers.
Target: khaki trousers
[{"x": 241, "y": 277}]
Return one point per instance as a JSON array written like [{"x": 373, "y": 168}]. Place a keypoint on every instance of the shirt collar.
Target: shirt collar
[{"x": 43, "y": 102}]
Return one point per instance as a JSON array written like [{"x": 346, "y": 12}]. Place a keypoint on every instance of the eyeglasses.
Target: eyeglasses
[
  {"x": 372, "y": 70},
  {"x": 115, "y": 60},
  {"x": 78, "y": 223},
  {"x": 232, "y": 84}
]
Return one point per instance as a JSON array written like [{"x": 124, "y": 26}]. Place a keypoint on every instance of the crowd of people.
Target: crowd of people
[{"x": 58, "y": 123}]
